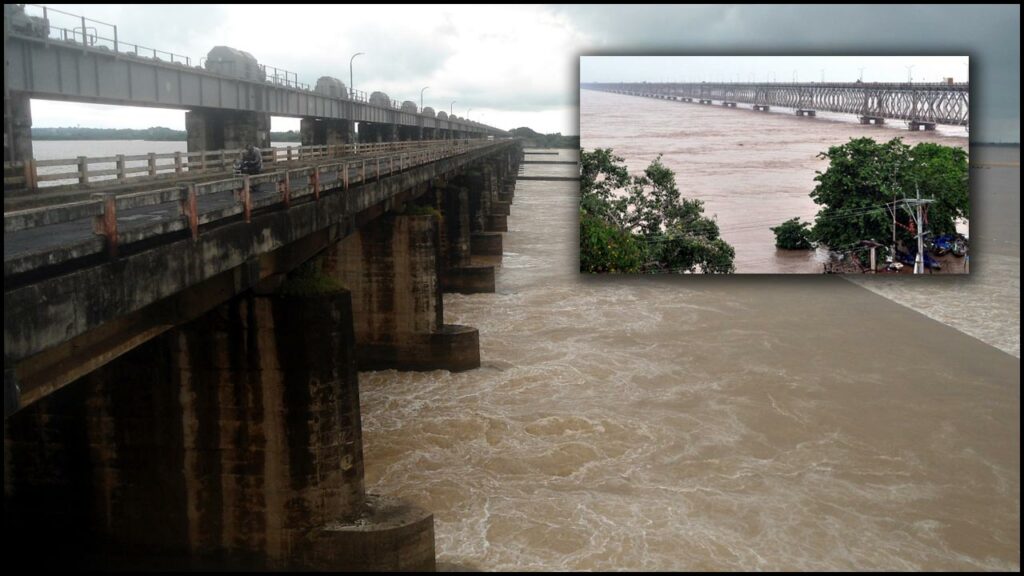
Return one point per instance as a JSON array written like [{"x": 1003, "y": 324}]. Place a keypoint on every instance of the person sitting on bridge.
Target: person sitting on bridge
[{"x": 252, "y": 160}]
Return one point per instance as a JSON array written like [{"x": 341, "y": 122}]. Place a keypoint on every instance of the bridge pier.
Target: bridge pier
[
  {"x": 729, "y": 104},
  {"x": 761, "y": 108},
  {"x": 17, "y": 127},
  {"x": 458, "y": 273},
  {"x": 704, "y": 101},
  {"x": 804, "y": 112},
  {"x": 209, "y": 129},
  {"x": 406, "y": 133},
  {"x": 872, "y": 120},
  {"x": 917, "y": 125},
  {"x": 391, "y": 266},
  {"x": 232, "y": 442},
  {"x": 483, "y": 240},
  {"x": 372, "y": 132},
  {"x": 325, "y": 131}
]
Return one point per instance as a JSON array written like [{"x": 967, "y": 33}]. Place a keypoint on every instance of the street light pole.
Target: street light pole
[
  {"x": 451, "y": 109},
  {"x": 421, "y": 97},
  {"x": 351, "y": 87},
  {"x": 910, "y": 69},
  {"x": 467, "y": 113}
]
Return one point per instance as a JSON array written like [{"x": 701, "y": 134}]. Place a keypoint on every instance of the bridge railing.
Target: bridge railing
[
  {"x": 75, "y": 29},
  {"x": 200, "y": 203},
  {"x": 25, "y": 177}
]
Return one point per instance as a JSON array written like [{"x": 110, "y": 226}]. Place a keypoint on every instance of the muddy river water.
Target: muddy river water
[{"x": 727, "y": 423}]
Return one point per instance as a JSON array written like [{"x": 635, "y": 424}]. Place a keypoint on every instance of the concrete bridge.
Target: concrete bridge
[
  {"x": 229, "y": 98},
  {"x": 182, "y": 347},
  {"x": 922, "y": 105}
]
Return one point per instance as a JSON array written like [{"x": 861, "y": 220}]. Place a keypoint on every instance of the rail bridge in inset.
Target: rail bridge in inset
[
  {"x": 922, "y": 105},
  {"x": 182, "y": 342}
]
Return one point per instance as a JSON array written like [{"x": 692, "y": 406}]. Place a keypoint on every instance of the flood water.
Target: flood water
[
  {"x": 694, "y": 423},
  {"x": 752, "y": 170}
]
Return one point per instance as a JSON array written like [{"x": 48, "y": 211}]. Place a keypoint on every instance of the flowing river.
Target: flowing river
[{"x": 715, "y": 423}]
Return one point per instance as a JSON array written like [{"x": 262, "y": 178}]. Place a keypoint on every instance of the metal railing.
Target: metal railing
[
  {"x": 95, "y": 34},
  {"x": 86, "y": 171},
  {"x": 76, "y": 29},
  {"x": 249, "y": 193}
]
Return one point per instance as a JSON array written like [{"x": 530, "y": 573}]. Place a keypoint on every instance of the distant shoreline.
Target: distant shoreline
[{"x": 152, "y": 134}]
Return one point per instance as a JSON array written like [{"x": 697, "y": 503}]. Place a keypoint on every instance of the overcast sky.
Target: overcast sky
[{"x": 519, "y": 65}]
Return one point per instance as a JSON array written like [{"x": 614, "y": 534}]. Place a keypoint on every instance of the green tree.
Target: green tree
[
  {"x": 864, "y": 176},
  {"x": 793, "y": 235},
  {"x": 648, "y": 209}
]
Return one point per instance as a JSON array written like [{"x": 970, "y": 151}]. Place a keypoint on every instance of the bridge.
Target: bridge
[
  {"x": 182, "y": 344},
  {"x": 922, "y": 105},
  {"x": 229, "y": 98}
]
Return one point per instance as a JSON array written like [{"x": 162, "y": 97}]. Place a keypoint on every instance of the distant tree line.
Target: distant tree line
[
  {"x": 155, "y": 133},
  {"x": 537, "y": 140}
]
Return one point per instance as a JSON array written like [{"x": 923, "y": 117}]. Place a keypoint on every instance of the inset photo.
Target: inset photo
[{"x": 774, "y": 164}]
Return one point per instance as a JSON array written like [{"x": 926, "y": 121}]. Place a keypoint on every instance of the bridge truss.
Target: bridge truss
[{"x": 938, "y": 103}]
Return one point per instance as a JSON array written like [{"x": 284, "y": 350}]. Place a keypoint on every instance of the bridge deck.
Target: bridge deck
[{"x": 57, "y": 239}]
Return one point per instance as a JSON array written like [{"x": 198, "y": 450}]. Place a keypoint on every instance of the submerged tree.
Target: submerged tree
[
  {"x": 865, "y": 177},
  {"x": 793, "y": 235},
  {"x": 642, "y": 223}
]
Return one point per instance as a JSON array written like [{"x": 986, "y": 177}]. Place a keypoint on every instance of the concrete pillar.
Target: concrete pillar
[
  {"x": 483, "y": 242},
  {"x": 391, "y": 265},
  {"x": 369, "y": 133},
  {"x": 407, "y": 133},
  {"x": 497, "y": 216},
  {"x": 17, "y": 128},
  {"x": 325, "y": 131},
  {"x": 226, "y": 129},
  {"x": 458, "y": 273},
  {"x": 233, "y": 442}
]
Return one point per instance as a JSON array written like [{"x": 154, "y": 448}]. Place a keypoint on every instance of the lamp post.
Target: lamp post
[
  {"x": 467, "y": 113},
  {"x": 421, "y": 97},
  {"x": 451, "y": 108},
  {"x": 351, "y": 87},
  {"x": 910, "y": 69},
  {"x": 861, "y": 73}
]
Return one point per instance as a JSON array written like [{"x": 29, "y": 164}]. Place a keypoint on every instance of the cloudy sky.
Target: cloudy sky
[{"x": 511, "y": 66}]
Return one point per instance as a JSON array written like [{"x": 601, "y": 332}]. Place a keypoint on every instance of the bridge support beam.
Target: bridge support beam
[
  {"x": 483, "y": 240},
  {"x": 233, "y": 442},
  {"x": 916, "y": 125},
  {"x": 761, "y": 108},
  {"x": 805, "y": 112},
  {"x": 391, "y": 265},
  {"x": 17, "y": 128},
  {"x": 458, "y": 273},
  {"x": 325, "y": 131},
  {"x": 876, "y": 120},
  {"x": 209, "y": 129}
]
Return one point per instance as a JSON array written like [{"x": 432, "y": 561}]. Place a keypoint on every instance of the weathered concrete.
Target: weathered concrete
[
  {"x": 323, "y": 131},
  {"x": 210, "y": 129},
  {"x": 235, "y": 439},
  {"x": 17, "y": 128},
  {"x": 458, "y": 274},
  {"x": 486, "y": 244},
  {"x": 113, "y": 302},
  {"x": 392, "y": 267}
]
